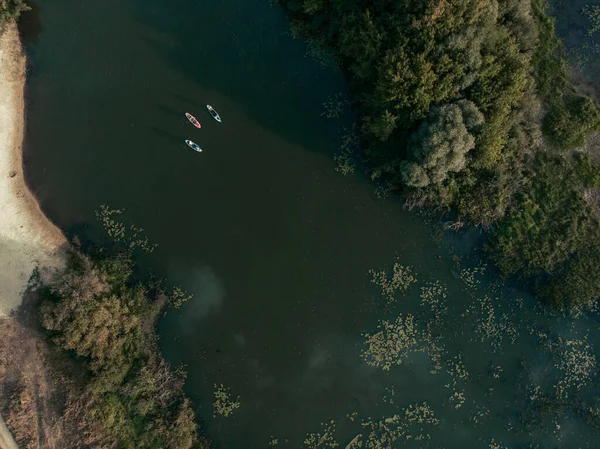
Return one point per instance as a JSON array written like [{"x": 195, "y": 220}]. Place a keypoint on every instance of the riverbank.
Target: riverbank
[{"x": 27, "y": 238}]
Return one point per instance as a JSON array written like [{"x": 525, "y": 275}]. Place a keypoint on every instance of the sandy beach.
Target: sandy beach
[{"x": 27, "y": 238}]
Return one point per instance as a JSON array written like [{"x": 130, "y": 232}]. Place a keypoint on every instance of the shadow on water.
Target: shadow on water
[
  {"x": 256, "y": 64},
  {"x": 170, "y": 111},
  {"x": 169, "y": 137},
  {"x": 181, "y": 98},
  {"x": 30, "y": 25}
]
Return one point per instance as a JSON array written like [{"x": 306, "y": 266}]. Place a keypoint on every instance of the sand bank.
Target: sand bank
[{"x": 27, "y": 238}]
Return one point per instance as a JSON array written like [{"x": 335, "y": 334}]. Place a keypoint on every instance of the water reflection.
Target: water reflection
[{"x": 30, "y": 25}]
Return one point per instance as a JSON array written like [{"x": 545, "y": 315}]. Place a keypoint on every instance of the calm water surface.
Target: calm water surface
[{"x": 273, "y": 243}]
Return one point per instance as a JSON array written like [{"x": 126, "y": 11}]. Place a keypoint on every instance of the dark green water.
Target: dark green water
[{"x": 273, "y": 243}]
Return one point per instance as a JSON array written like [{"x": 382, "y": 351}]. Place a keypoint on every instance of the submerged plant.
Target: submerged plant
[
  {"x": 335, "y": 106},
  {"x": 593, "y": 14}
]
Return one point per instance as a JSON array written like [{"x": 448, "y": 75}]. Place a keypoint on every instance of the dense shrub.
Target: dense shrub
[
  {"x": 551, "y": 220},
  {"x": 131, "y": 398},
  {"x": 570, "y": 122}
]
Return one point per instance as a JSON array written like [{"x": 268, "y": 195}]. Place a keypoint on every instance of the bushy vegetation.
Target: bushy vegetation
[
  {"x": 550, "y": 219},
  {"x": 130, "y": 397},
  {"x": 10, "y": 10},
  {"x": 466, "y": 105}
]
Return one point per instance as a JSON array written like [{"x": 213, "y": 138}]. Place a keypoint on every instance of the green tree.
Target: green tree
[
  {"x": 440, "y": 145},
  {"x": 10, "y": 10}
]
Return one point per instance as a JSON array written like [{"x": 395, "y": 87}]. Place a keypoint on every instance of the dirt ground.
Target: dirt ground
[
  {"x": 29, "y": 394},
  {"x": 27, "y": 238}
]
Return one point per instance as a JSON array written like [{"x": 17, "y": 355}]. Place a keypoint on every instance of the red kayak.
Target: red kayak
[{"x": 193, "y": 120}]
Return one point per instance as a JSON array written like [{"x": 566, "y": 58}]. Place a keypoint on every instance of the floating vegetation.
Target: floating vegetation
[
  {"x": 346, "y": 157},
  {"x": 435, "y": 351},
  {"x": 355, "y": 443},
  {"x": 479, "y": 413},
  {"x": 576, "y": 363},
  {"x": 178, "y": 297},
  {"x": 496, "y": 371},
  {"x": 223, "y": 404},
  {"x": 457, "y": 399},
  {"x": 402, "y": 278},
  {"x": 412, "y": 424},
  {"x": 456, "y": 369},
  {"x": 491, "y": 327},
  {"x": 389, "y": 395},
  {"x": 324, "y": 439},
  {"x": 495, "y": 445},
  {"x": 114, "y": 229},
  {"x": 458, "y": 373},
  {"x": 352, "y": 416},
  {"x": 467, "y": 275},
  {"x": 593, "y": 14},
  {"x": 433, "y": 296},
  {"x": 392, "y": 342},
  {"x": 131, "y": 236},
  {"x": 335, "y": 106}
]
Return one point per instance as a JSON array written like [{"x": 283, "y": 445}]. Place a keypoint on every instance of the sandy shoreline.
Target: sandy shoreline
[{"x": 27, "y": 238}]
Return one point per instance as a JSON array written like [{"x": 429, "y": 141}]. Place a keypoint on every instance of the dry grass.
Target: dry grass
[{"x": 27, "y": 390}]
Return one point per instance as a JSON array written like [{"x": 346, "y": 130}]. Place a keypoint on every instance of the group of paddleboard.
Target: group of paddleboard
[{"x": 194, "y": 146}]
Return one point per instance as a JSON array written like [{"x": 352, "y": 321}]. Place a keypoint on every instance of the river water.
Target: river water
[{"x": 274, "y": 244}]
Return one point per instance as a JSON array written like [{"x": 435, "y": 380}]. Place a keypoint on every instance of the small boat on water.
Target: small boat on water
[
  {"x": 214, "y": 113},
  {"x": 193, "y": 146},
  {"x": 193, "y": 120}
]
